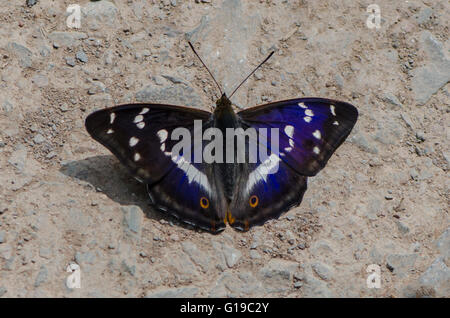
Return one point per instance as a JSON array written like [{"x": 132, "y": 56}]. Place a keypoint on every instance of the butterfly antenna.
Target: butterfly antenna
[
  {"x": 192, "y": 47},
  {"x": 260, "y": 64}
]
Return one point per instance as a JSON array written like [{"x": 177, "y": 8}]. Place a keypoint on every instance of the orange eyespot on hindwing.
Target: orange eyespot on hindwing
[
  {"x": 253, "y": 201},
  {"x": 204, "y": 202}
]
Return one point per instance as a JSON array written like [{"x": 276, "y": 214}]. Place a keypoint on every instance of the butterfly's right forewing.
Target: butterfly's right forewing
[{"x": 140, "y": 136}]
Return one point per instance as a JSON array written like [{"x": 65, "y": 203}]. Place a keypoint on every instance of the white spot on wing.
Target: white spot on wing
[
  {"x": 137, "y": 156},
  {"x": 332, "y": 110},
  {"x": 163, "y": 146},
  {"x": 302, "y": 105},
  {"x": 133, "y": 141},
  {"x": 288, "y": 149},
  {"x": 138, "y": 118},
  {"x": 112, "y": 116},
  {"x": 192, "y": 173},
  {"x": 162, "y": 134},
  {"x": 140, "y": 125},
  {"x": 289, "y": 130},
  {"x": 317, "y": 134},
  {"x": 144, "y": 111},
  {"x": 110, "y": 131},
  {"x": 316, "y": 150},
  {"x": 336, "y": 123},
  {"x": 291, "y": 143},
  {"x": 309, "y": 112},
  {"x": 261, "y": 172},
  {"x": 307, "y": 119}
]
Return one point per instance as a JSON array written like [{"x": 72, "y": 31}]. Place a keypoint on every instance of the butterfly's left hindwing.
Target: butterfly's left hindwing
[{"x": 139, "y": 135}]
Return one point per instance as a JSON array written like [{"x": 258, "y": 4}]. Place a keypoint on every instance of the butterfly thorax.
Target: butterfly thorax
[{"x": 225, "y": 117}]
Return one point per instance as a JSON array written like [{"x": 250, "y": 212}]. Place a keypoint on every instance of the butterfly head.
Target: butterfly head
[{"x": 223, "y": 105}]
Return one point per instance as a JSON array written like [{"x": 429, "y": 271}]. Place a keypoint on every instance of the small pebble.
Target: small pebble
[
  {"x": 70, "y": 61},
  {"x": 82, "y": 57}
]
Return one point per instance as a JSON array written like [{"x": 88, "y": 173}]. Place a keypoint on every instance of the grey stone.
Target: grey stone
[
  {"x": 3, "y": 291},
  {"x": 7, "y": 106},
  {"x": 181, "y": 292},
  {"x": 18, "y": 158},
  {"x": 45, "y": 51},
  {"x": 254, "y": 254},
  {"x": 428, "y": 79},
  {"x": 437, "y": 276},
  {"x": 132, "y": 218},
  {"x": 361, "y": 141},
  {"x": 321, "y": 247},
  {"x": 40, "y": 80},
  {"x": 443, "y": 243},
  {"x": 45, "y": 252},
  {"x": 66, "y": 39},
  {"x": 176, "y": 94},
  {"x": 232, "y": 255},
  {"x": 424, "y": 15},
  {"x": 77, "y": 220},
  {"x": 374, "y": 209},
  {"x": 446, "y": 156},
  {"x": 23, "y": 54},
  {"x": 243, "y": 284},
  {"x": 198, "y": 257},
  {"x": 2, "y": 237},
  {"x": 31, "y": 3},
  {"x": 41, "y": 276},
  {"x": 323, "y": 271},
  {"x": 402, "y": 227},
  {"x": 108, "y": 57},
  {"x": 392, "y": 99},
  {"x": 81, "y": 56},
  {"x": 97, "y": 87},
  {"x": 70, "y": 61},
  {"x": 93, "y": 42},
  {"x": 85, "y": 258},
  {"x": 314, "y": 288},
  {"x": 100, "y": 13},
  {"x": 128, "y": 266},
  {"x": 401, "y": 264},
  {"x": 277, "y": 275},
  {"x": 175, "y": 80},
  {"x": 407, "y": 120},
  {"x": 420, "y": 135},
  {"x": 38, "y": 139}
]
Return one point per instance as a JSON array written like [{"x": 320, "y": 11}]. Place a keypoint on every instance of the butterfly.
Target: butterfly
[{"x": 242, "y": 193}]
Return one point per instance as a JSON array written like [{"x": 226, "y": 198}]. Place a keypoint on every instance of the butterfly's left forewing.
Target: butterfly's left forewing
[
  {"x": 140, "y": 135},
  {"x": 309, "y": 130}
]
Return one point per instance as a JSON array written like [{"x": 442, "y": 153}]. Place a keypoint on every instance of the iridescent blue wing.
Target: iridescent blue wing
[
  {"x": 139, "y": 135},
  {"x": 310, "y": 130}
]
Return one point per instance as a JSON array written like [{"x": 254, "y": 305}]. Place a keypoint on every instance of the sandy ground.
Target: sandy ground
[{"x": 383, "y": 198}]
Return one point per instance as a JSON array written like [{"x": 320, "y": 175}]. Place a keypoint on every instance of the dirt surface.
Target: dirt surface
[{"x": 382, "y": 199}]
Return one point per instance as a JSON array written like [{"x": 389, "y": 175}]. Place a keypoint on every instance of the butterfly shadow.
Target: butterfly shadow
[{"x": 105, "y": 174}]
